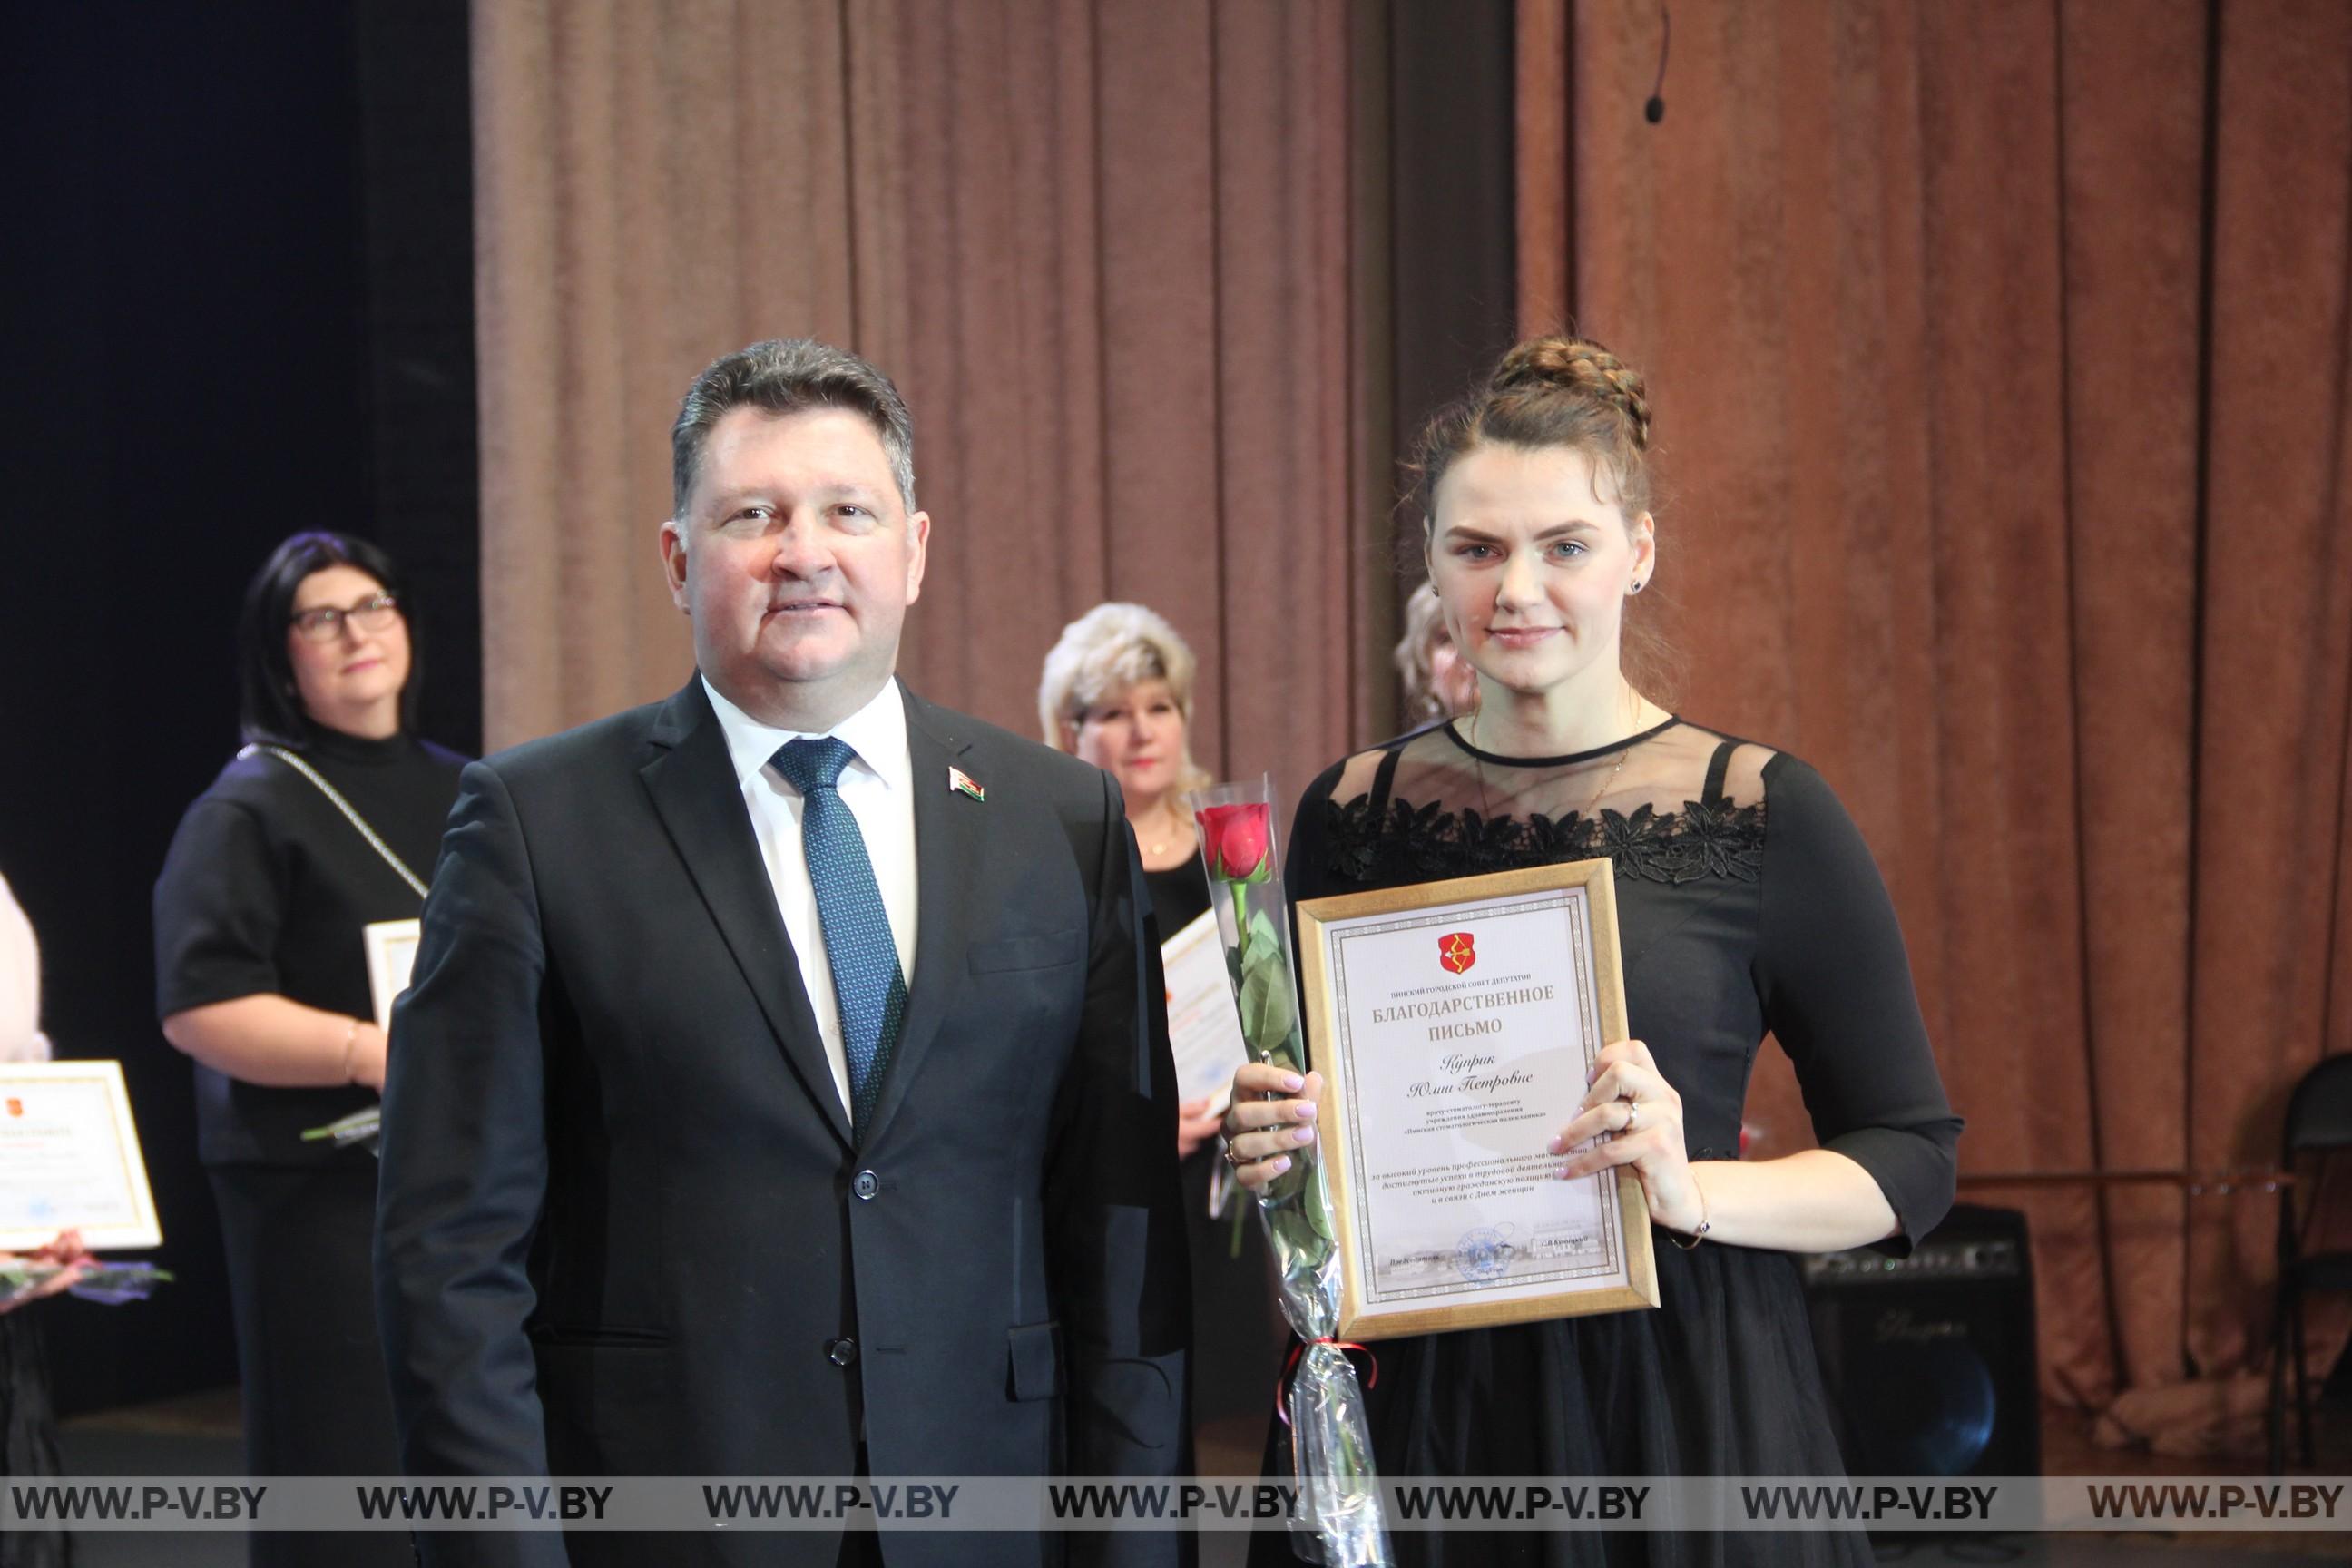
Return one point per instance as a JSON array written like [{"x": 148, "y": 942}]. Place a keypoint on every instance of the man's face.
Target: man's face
[{"x": 797, "y": 560}]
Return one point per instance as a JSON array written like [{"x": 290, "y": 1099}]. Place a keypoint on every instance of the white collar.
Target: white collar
[{"x": 876, "y": 732}]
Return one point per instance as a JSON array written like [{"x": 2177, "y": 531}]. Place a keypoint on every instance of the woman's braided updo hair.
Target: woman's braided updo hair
[
  {"x": 1562, "y": 392},
  {"x": 1548, "y": 392}
]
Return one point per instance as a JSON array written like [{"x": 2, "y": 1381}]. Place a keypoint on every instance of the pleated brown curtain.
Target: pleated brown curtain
[
  {"x": 2000, "y": 355},
  {"x": 1105, "y": 249}
]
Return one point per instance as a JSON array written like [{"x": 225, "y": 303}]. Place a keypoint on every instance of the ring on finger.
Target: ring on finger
[
  {"x": 1231, "y": 1157},
  {"x": 1633, "y": 1111}
]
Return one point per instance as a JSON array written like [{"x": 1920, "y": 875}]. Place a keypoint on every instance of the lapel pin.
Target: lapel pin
[{"x": 964, "y": 784}]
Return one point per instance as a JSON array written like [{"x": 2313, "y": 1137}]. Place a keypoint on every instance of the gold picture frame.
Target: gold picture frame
[
  {"x": 1376, "y": 967},
  {"x": 70, "y": 1158}
]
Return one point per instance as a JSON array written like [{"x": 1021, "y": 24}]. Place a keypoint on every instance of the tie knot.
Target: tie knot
[{"x": 809, "y": 765}]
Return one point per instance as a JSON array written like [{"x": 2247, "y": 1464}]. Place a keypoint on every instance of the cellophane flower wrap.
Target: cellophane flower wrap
[{"x": 1339, "y": 1522}]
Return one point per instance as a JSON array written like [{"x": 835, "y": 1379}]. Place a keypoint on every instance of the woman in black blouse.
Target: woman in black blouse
[
  {"x": 326, "y": 822},
  {"x": 1118, "y": 692},
  {"x": 1747, "y": 903}
]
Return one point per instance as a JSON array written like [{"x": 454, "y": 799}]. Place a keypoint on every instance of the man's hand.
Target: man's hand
[{"x": 1196, "y": 1124}]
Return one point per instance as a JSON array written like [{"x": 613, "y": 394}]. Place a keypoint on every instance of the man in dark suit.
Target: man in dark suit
[{"x": 779, "y": 1091}]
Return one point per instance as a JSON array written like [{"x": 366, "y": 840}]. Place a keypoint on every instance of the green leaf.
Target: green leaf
[
  {"x": 1285, "y": 1053},
  {"x": 1268, "y": 1014},
  {"x": 1262, "y": 932}
]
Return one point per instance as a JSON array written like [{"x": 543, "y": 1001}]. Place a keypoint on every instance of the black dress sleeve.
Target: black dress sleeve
[
  {"x": 1303, "y": 876},
  {"x": 1835, "y": 984},
  {"x": 218, "y": 907},
  {"x": 1302, "y": 863}
]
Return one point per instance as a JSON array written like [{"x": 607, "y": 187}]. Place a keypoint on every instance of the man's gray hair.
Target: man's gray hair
[{"x": 788, "y": 376}]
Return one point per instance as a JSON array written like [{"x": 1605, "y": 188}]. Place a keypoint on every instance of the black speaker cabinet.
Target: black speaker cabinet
[{"x": 1929, "y": 1359}]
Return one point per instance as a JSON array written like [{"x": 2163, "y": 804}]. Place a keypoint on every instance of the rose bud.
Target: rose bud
[{"x": 1235, "y": 840}]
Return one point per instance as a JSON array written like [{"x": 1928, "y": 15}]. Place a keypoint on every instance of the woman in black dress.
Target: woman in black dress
[
  {"x": 327, "y": 821},
  {"x": 1118, "y": 692},
  {"x": 1747, "y": 903}
]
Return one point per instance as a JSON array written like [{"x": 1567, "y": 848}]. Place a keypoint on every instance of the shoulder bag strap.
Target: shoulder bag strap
[{"x": 351, "y": 812}]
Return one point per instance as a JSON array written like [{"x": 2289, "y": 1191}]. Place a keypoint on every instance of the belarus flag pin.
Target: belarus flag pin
[{"x": 964, "y": 784}]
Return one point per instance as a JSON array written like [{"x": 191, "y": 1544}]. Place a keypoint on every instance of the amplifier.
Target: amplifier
[{"x": 1929, "y": 1359}]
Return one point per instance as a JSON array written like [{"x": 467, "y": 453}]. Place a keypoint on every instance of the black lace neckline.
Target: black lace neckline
[
  {"x": 1498, "y": 759},
  {"x": 1385, "y": 838}
]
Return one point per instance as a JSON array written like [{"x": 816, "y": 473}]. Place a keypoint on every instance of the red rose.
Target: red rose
[{"x": 1235, "y": 840}]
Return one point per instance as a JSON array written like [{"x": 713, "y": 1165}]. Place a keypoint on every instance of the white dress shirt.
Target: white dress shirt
[{"x": 878, "y": 787}]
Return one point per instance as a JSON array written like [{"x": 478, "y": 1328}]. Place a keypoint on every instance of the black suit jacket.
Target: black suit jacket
[{"x": 624, "y": 1228}]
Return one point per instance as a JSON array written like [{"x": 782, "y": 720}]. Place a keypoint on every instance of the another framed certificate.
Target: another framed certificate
[
  {"x": 1454, "y": 1024},
  {"x": 390, "y": 957},
  {"x": 70, "y": 1158}
]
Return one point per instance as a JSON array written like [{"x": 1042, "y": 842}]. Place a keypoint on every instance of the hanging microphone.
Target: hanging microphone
[{"x": 1655, "y": 110}]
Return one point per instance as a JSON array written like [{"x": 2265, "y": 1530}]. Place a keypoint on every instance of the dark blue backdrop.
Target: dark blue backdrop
[{"x": 237, "y": 290}]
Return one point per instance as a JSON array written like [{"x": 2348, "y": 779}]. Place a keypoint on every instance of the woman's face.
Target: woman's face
[
  {"x": 1532, "y": 561},
  {"x": 1137, "y": 736},
  {"x": 352, "y": 681}
]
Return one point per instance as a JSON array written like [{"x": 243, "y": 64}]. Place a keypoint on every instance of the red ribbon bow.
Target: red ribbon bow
[{"x": 1290, "y": 1364}]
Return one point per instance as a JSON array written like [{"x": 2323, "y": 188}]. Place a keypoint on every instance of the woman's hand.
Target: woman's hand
[
  {"x": 73, "y": 1262},
  {"x": 1262, "y": 1136},
  {"x": 368, "y": 1044},
  {"x": 1632, "y": 1099},
  {"x": 1196, "y": 1123}
]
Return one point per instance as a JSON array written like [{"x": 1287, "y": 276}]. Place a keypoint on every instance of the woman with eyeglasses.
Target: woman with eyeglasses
[{"x": 326, "y": 822}]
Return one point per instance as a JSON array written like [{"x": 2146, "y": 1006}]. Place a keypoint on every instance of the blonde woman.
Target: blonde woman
[
  {"x": 1118, "y": 692},
  {"x": 1438, "y": 681}
]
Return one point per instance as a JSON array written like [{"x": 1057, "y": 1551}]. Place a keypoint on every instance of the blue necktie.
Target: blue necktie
[{"x": 868, "y": 985}]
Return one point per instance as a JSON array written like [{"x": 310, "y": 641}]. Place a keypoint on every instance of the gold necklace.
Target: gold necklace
[
  {"x": 1177, "y": 828},
  {"x": 1479, "y": 762}
]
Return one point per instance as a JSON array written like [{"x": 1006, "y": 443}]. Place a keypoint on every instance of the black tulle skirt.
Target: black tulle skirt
[{"x": 1720, "y": 1380}]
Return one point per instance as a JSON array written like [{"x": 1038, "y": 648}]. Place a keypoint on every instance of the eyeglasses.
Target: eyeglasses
[{"x": 372, "y": 614}]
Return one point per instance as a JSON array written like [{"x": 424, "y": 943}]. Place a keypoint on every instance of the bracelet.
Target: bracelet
[
  {"x": 1705, "y": 1224},
  {"x": 350, "y": 1044}
]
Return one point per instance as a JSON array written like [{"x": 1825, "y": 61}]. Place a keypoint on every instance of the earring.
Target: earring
[{"x": 1635, "y": 589}]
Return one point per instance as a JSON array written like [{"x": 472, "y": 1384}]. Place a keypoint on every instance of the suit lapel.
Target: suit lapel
[
  {"x": 949, "y": 825},
  {"x": 692, "y": 782}
]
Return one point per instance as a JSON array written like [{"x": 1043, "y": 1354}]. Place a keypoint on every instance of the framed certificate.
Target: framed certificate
[
  {"x": 391, "y": 956},
  {"x": 70, "y": 1158},
  {"x": 1454, "y": 1022}
]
